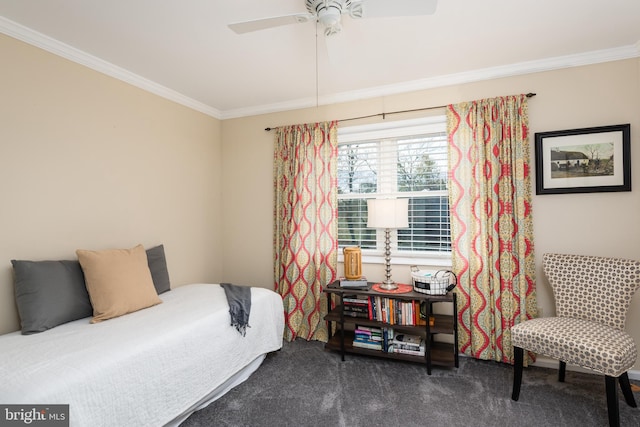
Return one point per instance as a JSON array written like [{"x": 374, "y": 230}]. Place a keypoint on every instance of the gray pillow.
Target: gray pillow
[
  {"x": 49, "y": 293},
  {"x": 158, "y": 267}
]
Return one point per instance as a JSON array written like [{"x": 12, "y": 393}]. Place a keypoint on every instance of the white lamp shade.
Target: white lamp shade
[{"x": 388, "y": 213}]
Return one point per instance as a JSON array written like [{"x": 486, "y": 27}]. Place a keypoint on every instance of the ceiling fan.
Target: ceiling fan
[{"x": 329, "y": 13}]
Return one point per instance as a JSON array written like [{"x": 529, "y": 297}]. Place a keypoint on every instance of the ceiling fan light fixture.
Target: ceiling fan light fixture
[
  {"x": 332, "y": 30},
  {"x": 330, "y": 20},
  {"x": 328, "y": 13}
]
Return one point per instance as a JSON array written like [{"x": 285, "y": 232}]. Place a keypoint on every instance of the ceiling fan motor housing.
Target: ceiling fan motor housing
[{"x": 329, "y": 12}]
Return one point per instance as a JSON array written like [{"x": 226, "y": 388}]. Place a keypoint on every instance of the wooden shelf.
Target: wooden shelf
[
  {"x": 439, "y": 353},
  {"x": 443, "y": 323}
]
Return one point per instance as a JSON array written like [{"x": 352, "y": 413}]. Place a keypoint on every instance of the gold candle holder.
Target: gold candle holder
[{"x": 352, "y": 263}]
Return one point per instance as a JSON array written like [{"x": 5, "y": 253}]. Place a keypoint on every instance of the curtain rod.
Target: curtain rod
[{"x": 383, "y": 115}]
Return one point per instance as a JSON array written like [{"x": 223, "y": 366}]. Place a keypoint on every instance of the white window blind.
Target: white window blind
[{"x": 401, "y": 160}]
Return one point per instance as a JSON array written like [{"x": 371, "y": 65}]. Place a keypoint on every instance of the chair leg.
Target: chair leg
[
  {"x": 518, "y": 357},
  {"x": 626, "y": 390},
  {"x": 612, "y": 401},
  {"x": 561, "y": 371}
]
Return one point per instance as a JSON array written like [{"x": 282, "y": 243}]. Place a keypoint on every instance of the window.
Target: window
[{"x": 405, "y": 159}]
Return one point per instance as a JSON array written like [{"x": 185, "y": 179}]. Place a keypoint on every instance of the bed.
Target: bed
[
  {"x": 151, "y": 367},
  {"x": 108, "y": 336}
]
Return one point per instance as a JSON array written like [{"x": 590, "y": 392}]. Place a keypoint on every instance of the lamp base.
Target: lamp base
[{"x": 388, "y": 285}]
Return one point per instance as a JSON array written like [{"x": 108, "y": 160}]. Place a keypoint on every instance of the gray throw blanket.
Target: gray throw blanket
[{"x": 239, "y": 298}]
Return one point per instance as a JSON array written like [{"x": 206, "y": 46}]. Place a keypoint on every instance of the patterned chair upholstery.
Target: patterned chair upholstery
[{"x": 592, "y": 297}]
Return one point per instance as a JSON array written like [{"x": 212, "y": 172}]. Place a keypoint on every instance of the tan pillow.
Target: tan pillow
[{"x": 118, "y": 281}]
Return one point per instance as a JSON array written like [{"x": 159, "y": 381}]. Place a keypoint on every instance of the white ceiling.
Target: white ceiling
[{"x": 183, "y": 50}]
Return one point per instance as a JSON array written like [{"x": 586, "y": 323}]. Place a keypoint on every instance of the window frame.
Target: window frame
[{"x": 387, "y": 130}]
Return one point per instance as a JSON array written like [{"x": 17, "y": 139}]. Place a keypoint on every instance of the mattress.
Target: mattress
[{"x": 145, "y": 368}]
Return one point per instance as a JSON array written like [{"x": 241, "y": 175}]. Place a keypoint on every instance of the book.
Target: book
[
  {"x": 368, "y": 338},
  {"x": 355, "y": 299},
  {"x": 357, "y": 308},
  {"x": 387, "y": 340},
  {"x": 406, "y": 351},
  {"x": 368, "y": 328},
  {"x": 356, "y": 314},
  {"x": 368, "y": 334},
  {"x": 408, "y": 344},
  {"x": 411, "y": 347},
  {"x": 367, "y": 344},
  {"x": 357, "y": 283},
  {"x": 408, "y": 339}
]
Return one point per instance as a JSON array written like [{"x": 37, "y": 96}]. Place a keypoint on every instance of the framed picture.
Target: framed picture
[{"x": 584, "y": 160}]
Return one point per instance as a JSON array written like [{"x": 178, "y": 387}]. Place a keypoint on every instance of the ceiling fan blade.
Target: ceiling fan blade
[
  {"x": 386, "y": 8},
  {"x": 339, "y": 48},
  {"x": 263, "y": 24},
  {"x": 334, "y": 48}
]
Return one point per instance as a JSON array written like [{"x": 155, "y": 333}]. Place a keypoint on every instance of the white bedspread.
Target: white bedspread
[{"x": 142, "y": 369}]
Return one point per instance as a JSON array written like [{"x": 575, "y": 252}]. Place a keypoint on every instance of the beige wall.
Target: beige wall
[
  {"x": 87, "y": 161},
  {"x": 598, "y": 223}
]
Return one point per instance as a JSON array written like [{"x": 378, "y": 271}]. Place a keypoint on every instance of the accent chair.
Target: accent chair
[{"x": 592, "y": 296}]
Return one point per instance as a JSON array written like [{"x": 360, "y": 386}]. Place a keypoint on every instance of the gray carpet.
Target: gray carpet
[{"x": 304, "y": 385}]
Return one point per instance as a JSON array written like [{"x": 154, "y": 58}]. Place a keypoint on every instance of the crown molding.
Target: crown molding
[
  {"x": 63, "y": 50},
  {"x": 56, "y": 47},
  {"x": 527, "y": 67}
]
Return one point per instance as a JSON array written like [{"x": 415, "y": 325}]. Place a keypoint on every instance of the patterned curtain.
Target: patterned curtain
[
  {"x": 306, "y": 224},
  {"x": 491, "y": 223}
]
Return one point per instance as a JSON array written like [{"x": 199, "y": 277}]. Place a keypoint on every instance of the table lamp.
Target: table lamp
[{"x": 388, "y": 214}]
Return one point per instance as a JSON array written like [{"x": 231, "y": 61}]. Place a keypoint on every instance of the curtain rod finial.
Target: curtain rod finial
[{"x": 530, "y": 95}]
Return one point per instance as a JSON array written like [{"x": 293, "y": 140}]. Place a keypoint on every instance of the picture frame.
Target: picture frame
[{"x": 586, "y": 160}]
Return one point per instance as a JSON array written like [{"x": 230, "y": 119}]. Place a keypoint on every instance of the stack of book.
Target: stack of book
[
  {"x": 368, "y": 337},
  {"x": 360, "y": 283},
  {"x": 407, "y": 344},
  {"x": 356, "y": 306},
  {"x": 395, "y": 312}
]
